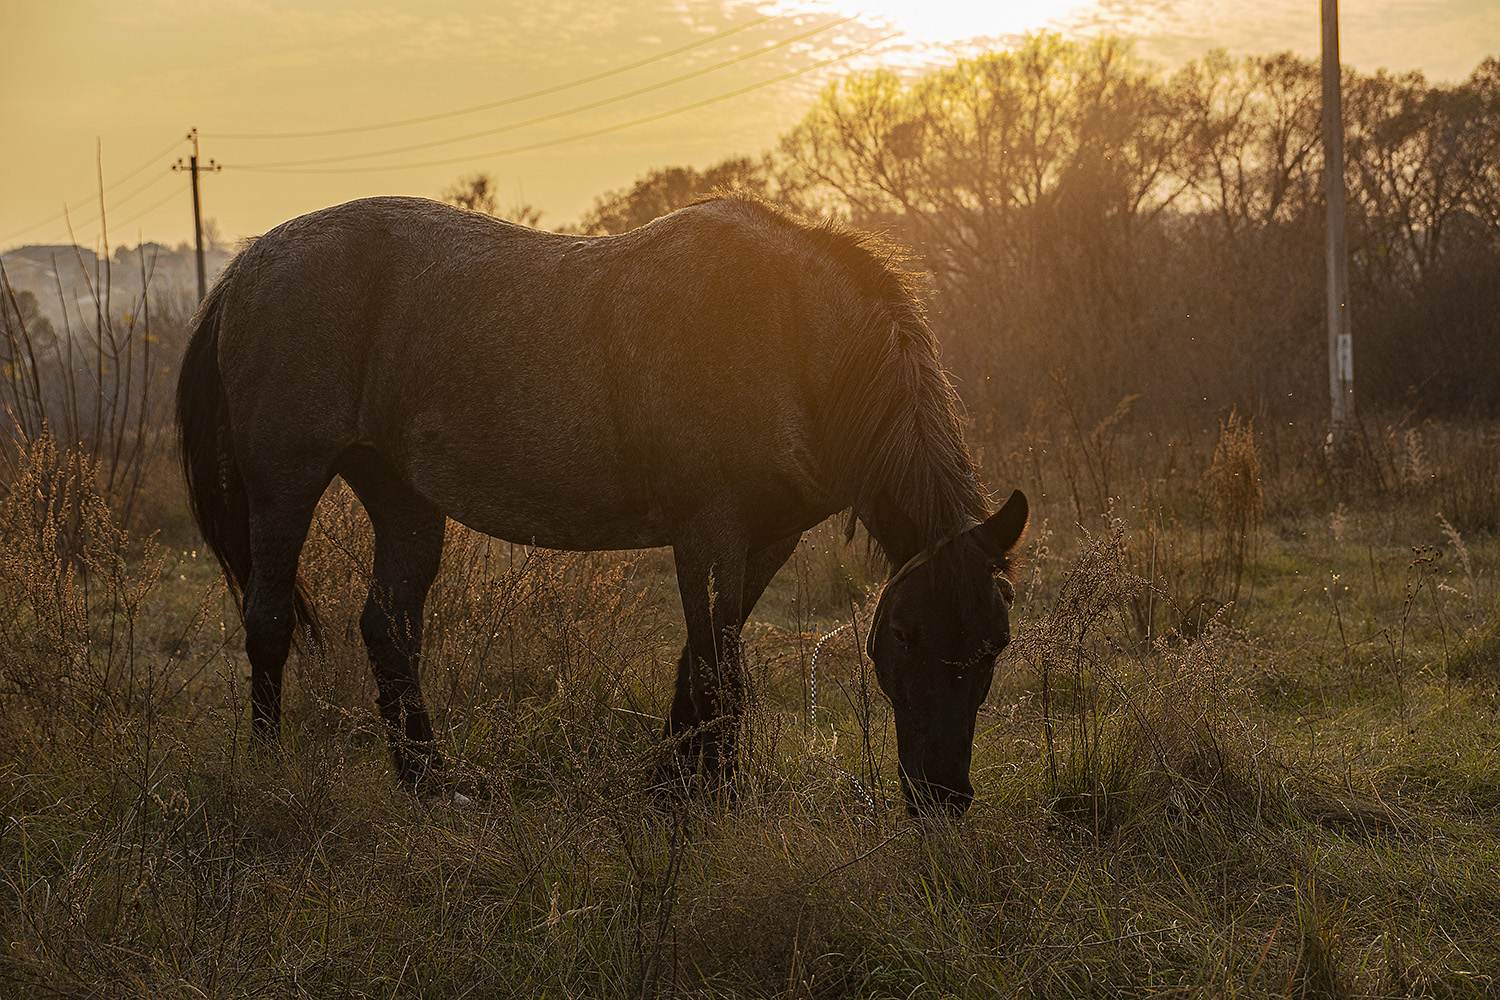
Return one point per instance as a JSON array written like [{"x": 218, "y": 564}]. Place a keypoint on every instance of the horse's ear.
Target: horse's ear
[{"x": 1003, "y": 529}]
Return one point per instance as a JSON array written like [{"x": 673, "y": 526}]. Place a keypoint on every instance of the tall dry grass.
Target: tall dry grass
[
  {"x": 1266, "y": 805},
  {"x": 1239, "y": 746},
  {"x": 102, "y": 389},
  {"x": 1242, "y": 744}
]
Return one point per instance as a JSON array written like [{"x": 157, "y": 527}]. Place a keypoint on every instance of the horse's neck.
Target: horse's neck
[
  {"x": 918, "y": 486},
  {"x": 901, "y": 533}
]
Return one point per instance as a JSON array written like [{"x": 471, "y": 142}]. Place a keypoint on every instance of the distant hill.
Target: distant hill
[{"x": 70, "y": 278}]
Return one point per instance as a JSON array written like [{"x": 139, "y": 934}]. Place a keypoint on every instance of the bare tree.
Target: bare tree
[
  {"x": 667, "y": 189},
  {"x": 478, "y": 193}
]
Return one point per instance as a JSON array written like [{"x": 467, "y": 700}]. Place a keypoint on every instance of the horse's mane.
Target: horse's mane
[{"x": 891, "y": 423}]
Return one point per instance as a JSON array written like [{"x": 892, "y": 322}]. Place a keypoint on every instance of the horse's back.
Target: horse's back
[{"x": 531, "y": 383}]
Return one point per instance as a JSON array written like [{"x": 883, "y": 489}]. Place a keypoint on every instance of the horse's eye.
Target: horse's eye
[{"x": 903, "y": 636}]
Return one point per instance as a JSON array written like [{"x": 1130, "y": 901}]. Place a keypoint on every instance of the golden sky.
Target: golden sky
[{"x": 130, "y": 77}]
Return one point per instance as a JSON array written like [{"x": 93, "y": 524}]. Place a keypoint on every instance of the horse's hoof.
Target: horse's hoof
[
  {"x": 428, "y": 785},
  {"x": 669, "y": 786}
]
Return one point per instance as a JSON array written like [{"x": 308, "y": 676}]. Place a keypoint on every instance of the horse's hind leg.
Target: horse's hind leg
[
  {"x": 408, "y": 549},
  {"x": 278, "y": 527}
]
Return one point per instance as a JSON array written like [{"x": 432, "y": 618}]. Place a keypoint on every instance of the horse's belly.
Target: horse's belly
[
  {"x": 581, "y": 512},
  {"x": 568, "y": 479},
  {"x": 582, "y": 536},
  {"x": 555, "y": 515}
]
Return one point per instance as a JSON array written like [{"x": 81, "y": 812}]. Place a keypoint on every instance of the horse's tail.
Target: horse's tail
[{"x": 215, "y": 489}]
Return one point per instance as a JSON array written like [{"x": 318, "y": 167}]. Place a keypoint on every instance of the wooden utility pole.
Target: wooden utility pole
[
  {"x": 1340, "y": 336},
  {"x": 193, "y": 168}
]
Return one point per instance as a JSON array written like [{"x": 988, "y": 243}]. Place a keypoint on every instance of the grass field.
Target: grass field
[{"x": 1245, "y": 743}]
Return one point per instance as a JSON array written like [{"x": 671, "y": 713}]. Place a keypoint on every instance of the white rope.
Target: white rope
[
  {"x": 812, "y": 696},
  {"x": 812, "y": 683}
]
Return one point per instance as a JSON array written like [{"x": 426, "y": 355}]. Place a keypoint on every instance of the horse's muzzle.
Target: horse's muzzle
[{"x": 935, "y": 801}]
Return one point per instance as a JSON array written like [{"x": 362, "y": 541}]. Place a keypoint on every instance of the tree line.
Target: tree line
[{"x": 1084, "y": 217}]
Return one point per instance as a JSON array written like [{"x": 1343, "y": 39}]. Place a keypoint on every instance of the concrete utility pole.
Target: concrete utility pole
[
  {"x": 193, "y": 167},
  {"x": 1340, "y": 336}
]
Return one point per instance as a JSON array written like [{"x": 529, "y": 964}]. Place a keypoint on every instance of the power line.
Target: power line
[
  {"x": 344, "y": 158},
  {"x": 115, "y": 205},
  {"x": 72, "y": 235},
  {"x": 125, "y": 222},
  {"x": 571, "y": 138},
  {"x": 139, "y": 191},
  {"x": 493, "y": 104},
  {"x": 95, "y": 194},
  {"x": 196, "y": 167},
  {"x": 147, "y": 211}
]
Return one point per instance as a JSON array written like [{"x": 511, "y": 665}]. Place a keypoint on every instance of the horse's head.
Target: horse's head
[{"x": 941, "y": 621}]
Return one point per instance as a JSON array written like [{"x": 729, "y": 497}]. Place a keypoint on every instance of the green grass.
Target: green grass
[{"x": 1294, "y": 796}]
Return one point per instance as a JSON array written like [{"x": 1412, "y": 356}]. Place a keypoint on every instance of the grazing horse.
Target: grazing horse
[{"x": 719, "y": 381}]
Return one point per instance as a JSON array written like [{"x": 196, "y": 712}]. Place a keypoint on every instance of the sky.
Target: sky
[{"x": 558, "y": 101}]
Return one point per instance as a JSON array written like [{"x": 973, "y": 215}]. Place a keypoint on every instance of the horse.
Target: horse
[{"x": 719, "y": 381}]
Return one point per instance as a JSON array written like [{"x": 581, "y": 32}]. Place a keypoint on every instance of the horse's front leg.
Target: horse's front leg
[
  {"x": 680, "y": 731},
  {"x": 709, "y": 698}
]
